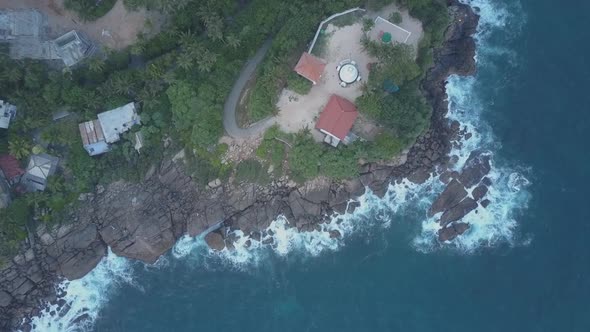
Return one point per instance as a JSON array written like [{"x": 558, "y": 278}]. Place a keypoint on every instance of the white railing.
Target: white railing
[{"x": 317, "y": 33}]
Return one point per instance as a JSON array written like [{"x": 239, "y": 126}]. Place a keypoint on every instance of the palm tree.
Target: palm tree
[
  {"x": 52, "y": 136},
  {"x": 96, "y": 65},
  {"x": 138, "y": 48},
  {"x": 186, "y": 38},
  {"x": 214, "y": 26},
  {"x": 92, "y": 101},
  {"x": 169, "y": 77},
  {"x": 185, "y": 60},
  {"x": 36, "y": 199},
  {"x": 29, "y": 123},
  {"x": 206, "y": 61},
  {"x": 232, "y": 41},
  {"x": 19, "y": 147},
  {"x": 154, "y": 71},
  {"x": 170, "y": 6},
  {"x": 55, "y": 184},
  {"x": 120, "y": 84}
]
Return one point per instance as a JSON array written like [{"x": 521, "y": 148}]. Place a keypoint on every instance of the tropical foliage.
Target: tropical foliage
[
  {"x": 180, "y": 77},
  {"x": 90, "y": 10}
]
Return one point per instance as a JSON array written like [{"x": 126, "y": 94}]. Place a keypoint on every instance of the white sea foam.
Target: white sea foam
[
  {"x": 85, "y": 297},
  {"x": 490, "y": 226},
  {"x": 507, "y": 195},
  {"x": 371, "y": 214}
]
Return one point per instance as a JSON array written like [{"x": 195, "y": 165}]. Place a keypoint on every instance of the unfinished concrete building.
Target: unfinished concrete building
[
  {"x": 29, "y": 37},
  {"x": 72, "y": 48}
]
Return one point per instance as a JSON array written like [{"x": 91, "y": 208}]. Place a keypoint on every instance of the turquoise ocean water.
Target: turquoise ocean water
[{"x": 524, "y": 266}]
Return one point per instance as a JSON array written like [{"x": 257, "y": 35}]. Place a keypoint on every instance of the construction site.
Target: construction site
[{"x": 28, "y": 35}]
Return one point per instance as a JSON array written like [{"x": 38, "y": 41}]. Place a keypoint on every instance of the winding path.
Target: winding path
[{"x": 229, "y": 109}]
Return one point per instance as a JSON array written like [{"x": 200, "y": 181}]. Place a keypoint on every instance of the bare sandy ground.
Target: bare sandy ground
[
  {"x": 298, "y": 112},
  {"x": 119, "y": 28},
  {"x": 408, "y": 23}
]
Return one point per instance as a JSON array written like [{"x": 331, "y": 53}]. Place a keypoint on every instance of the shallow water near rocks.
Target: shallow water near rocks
[{"x": 522, "y": 267}]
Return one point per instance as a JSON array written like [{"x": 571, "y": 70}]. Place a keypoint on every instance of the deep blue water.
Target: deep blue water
[{"x": 531, "y": 91}]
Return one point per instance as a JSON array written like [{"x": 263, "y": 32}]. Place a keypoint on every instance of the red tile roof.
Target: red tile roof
[
  {"x": 10, "y": 166},
  {"x": 337, "y": 117},
  {"x": 310, "y": 67}
]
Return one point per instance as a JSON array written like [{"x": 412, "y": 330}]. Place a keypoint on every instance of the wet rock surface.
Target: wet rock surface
[{"x": 144, "y": 220}]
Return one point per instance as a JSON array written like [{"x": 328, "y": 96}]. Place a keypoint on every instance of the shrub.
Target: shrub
[
  {"x": 384, "y": 147},
  {"x": 90, "y": 10},
  {"x": 309, "y": 159},
  {"x": 396, "y": 17},
  {"x": 377, "y": 4},
  {"x": 298, "y": 84},
  {"x": 368, "y": 24},
  {"x": 12, "y": 226},
  {"x": 273, "y": 148}
]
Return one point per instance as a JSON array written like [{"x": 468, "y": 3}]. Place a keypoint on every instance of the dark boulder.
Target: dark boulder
[
  {"x": 458, "y": 211},
  {"x": 452, "y": 231},
  {"x": 419, "y": 176},
  {"x": 5, "y": 299},
  {"x": 451, "y": 196},
  {"x": 335, "y": 234},
  {"x": 479, "y": 192},
  {"x": 476, "y": 167},
  {"x": 215, "y": 241}
]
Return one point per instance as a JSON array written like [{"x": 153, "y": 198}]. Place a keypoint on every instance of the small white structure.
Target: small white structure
[
  {"x": 348, "y": 72},
  {"x": 7, "y": 113},
  {"x": 107, "y": 129},
  {"x": 41, "y": 166},
  {"x": 138, "y": 141}
]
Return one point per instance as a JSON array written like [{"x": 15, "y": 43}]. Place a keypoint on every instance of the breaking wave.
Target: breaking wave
[
  {"x": 469, "y": 99},
  {"x": 281, "y": 239},
  {"x": 489, "y": 226},
  {"x": 85, "y": 297}
]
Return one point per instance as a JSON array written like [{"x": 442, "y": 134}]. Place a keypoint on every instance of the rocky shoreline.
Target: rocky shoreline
[{"x": 143, "y": 221}]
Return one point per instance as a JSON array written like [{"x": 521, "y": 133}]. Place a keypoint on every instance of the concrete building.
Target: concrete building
[
  {"x": 7, "y": 113},
  {"x": 107, "y": 129},
  {"x": 71, "y": 48},
  {"x": 28, "y": 36},
  {"x": 41, "y": 167},
  {"x": 20, "y": 23}
]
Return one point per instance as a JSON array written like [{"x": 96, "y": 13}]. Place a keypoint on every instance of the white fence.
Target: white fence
[{"x": 317, "y": 33}]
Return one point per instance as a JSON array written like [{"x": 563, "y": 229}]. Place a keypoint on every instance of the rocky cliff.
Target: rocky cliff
[{"x": 144, "y": 220}]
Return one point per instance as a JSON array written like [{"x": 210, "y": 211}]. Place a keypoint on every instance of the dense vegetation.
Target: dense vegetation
[
  {"x": 405, "y": 112},
  {"x": 90, "y": 10},
  {"x": 300, "y": 23},
  {"x": 307, "y": 159},
  {"x": 298, "y": 84},
  {"x": 180, "y": 78},
  {"x": 403, "y": 115}
]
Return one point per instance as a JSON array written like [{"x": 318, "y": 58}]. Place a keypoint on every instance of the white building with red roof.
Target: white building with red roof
[{"x": 337, "y": 119}]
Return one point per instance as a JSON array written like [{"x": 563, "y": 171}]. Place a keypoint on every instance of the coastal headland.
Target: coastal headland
[{"x": 144, "y": 220}]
